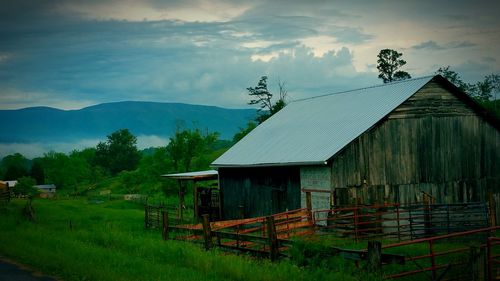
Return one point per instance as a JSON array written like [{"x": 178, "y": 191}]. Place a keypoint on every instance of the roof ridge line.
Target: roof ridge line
[{"x": 364, "y": 88}]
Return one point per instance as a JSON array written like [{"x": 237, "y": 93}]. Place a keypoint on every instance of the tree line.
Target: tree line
[{"x": 118, "y": 157}]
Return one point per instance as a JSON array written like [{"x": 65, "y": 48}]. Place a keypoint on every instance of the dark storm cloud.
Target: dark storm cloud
[{"x": 432, "y": 45}]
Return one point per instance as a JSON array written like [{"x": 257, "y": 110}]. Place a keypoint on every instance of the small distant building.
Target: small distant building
[
  {"x": 46, "y": 190},
  {"x": 10, "y": 184}
]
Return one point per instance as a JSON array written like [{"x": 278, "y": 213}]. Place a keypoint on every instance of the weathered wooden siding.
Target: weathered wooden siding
[
  {"x": 433, "y": 142},
  {"x": 258, "y": 191}
]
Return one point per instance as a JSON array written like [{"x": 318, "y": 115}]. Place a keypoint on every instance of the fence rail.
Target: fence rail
[
  {"x": 455, "y": 261},
  {"x": 402, "y": 222},
  {"x": 4, "y": 194},
  {"x": 493, "y": 246},
  {"x": 269, "y": 240},
  {"x": 153, "y": 215},
  {"x": 452, "y": 256},
  {"x": 262, "y": 236}
]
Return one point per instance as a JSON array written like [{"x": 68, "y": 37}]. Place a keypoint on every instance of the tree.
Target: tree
[
  {"x": 244, "y": 131},
  {"x": 484, "y": 92},
  {"x": 493, "y": 82},
  {"x": 454, "y": 78},
  {"x": 37, "y": 172},
  {"x": 118, "y": 153},
  {"x": 15, "y": 165},
  {"x": 481, "y": 90},
  {"x": 184, "y": 148},
  {"x": 388, "y": 64},
  {"x": 260, "y": 95},
  {"x": 25, "y": 187},
  {"x": 187, "y": 144}
]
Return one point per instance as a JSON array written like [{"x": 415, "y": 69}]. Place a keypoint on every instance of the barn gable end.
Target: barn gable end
[{"x": 433, "y": 142}]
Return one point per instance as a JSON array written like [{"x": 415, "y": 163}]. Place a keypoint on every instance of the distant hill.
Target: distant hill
[{"x": 39, "y": 124}]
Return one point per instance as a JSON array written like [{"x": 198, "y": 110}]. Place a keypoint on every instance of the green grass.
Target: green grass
[{"x": 107, "y": 241}]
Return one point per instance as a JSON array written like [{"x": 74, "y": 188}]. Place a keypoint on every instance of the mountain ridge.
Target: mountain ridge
[{"x": 38, "y": 124}]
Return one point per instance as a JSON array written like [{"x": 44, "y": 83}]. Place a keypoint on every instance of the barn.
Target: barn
[{"x": 384, "y": 144}]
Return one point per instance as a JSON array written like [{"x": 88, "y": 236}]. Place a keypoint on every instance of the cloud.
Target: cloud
[
  {"x": 463, "y": 44},
  {"x": 37, "y": 149},
  {"x": 15, "y": 98},
  {"x": 146, "y": 141},
  {"x": 210, "y": 63},
  {"x": 73, "y": 53},
  {"x": 432, "y": 45}
]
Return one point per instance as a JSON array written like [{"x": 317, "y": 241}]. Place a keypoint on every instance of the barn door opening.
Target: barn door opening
[{"x": 316, "y": 199}]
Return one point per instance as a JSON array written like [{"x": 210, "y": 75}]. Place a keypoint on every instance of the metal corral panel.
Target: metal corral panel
[{"x": 311, "y": 131}]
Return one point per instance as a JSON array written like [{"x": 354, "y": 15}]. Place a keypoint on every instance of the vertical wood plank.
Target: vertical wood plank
[
  {"x": 146, "y": 216},
  {"x": 207, "y": 232},
  {"x": 374, "y": 256},
  {"x": 308, "y": 201},
  {"x": 273, "y": 239},
  {"x": 477, "y": 257},
  {"x": 164, "y": 214},
  {"x": 492, "y": 208},
  {"x": 195, "y": 201}
]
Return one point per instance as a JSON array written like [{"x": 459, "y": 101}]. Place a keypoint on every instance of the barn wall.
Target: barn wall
[
  {"x": 433, "y": 142},
  {"x": 258, "y": 191}
]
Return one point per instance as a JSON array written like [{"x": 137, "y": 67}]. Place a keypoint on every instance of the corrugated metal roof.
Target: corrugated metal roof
[{"x": 311, "y": 131}]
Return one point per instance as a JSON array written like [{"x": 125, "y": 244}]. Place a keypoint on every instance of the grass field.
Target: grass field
[{"x": 79, "y": 239}]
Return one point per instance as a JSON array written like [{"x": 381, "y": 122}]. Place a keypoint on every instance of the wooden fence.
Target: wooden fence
[
  {"x": 493, "y": 246},
  {"x": 5, "y": 194},
  {"x": 153, "y": 215},
  {"x": 264, "y": 236},
  {"x": 402, "y": 222},
  {"x": 466, "y": 255}
]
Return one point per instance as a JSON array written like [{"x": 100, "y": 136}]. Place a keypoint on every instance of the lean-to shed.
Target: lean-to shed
[{"x": 382, "y": 144}]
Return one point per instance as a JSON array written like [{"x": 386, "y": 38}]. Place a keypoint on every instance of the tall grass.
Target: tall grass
[{"x": 78, "y": 240}]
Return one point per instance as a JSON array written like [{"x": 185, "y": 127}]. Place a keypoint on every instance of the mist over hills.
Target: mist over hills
[{"x": 45, "y": 124}]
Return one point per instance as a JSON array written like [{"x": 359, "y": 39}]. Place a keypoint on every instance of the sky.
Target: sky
[{"x": 72, "y": 54}]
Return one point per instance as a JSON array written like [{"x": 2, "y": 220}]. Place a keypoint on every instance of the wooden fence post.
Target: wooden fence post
[
  {"x": 489, "y": 258},
  {"x": 398, "y": 220},
  {"x": 158, "y": 215},
  {"x": 309, "y": 207},
  {"x": 207, "y": 232},
  {"x": 374, "y": 256},
  {"x": 146, "y": 216},
  {"x": 273, "y": 239},
  {"x": 164, "y": 214},
  {"x": 195, "y": 201},
  {"x": 477, "y": 257},
  {"x": 308, "y": 201},
  {"x": 432, "y": 257},
  {"x": 492, "y": 206}
]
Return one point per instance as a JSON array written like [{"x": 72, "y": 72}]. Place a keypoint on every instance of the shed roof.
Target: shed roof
[
  {"x": 45, "y": 186},
  {"x": 200, "y": 175},
  {"x": 311, "y": 131}
]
